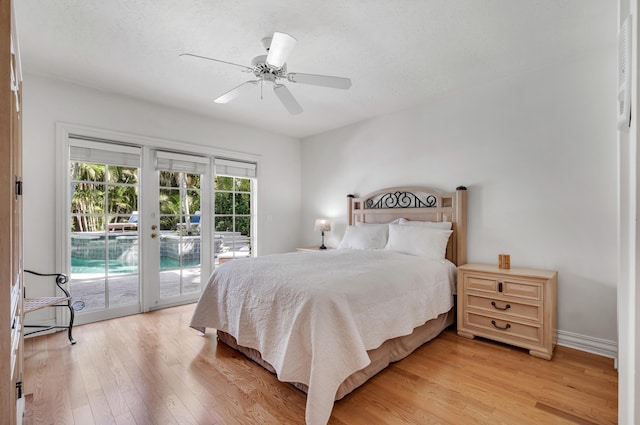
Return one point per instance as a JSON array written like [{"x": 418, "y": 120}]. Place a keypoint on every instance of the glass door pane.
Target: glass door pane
[
  {"x": 233, "y": 218},
  {"x": 180, "y": 234},
  {"x": 104, "y": 236}
]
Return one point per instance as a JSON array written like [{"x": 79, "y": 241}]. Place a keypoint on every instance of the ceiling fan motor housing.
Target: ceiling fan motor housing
[{"x": 262, "y": 70}]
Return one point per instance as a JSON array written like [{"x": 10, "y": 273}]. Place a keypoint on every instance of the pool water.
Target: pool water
[{"x": 81, "y": 265}]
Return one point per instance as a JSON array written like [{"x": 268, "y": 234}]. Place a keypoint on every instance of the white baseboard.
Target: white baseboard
[{"x": 589, "y": 344}]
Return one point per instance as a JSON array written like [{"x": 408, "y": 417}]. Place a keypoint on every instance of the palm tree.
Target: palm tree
[
  {"x": 89, "y": 197},
  {"x": 179, "y": 196}
]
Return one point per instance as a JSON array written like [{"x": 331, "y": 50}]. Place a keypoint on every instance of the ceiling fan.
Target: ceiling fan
[{"x": 271, "y": 68}]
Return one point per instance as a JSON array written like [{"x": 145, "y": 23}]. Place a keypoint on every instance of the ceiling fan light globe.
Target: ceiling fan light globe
[{"x": 281, "y": 47}]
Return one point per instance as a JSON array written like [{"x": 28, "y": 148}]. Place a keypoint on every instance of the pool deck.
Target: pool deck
[{"x": 124, "y": 289}]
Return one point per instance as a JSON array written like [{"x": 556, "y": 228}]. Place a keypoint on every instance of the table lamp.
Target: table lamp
[{"x": 323, "y": 226}]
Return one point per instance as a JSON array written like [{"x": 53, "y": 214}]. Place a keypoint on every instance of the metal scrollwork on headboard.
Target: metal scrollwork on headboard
[{"x": 401, "y": 200}]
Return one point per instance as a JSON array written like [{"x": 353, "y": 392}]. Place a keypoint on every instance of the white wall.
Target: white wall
[
  {"x": 48, "y": 101},
  {"x": 537, "y": 152}
]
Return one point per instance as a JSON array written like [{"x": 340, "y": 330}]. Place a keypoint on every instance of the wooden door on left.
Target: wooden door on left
[{"x": 11, "y": 258}]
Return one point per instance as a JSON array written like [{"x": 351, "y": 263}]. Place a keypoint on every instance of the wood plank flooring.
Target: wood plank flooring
[{"x": 153, "y": 369}]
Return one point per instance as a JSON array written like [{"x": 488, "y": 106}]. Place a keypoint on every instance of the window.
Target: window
[{"x": 234, "y": 210}]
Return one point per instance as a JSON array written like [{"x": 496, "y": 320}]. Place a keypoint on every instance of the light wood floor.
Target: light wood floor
[{"x": 153, "y": 369}]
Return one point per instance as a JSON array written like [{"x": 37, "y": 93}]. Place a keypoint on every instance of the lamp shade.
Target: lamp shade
[{"x": 323, "y": 225}]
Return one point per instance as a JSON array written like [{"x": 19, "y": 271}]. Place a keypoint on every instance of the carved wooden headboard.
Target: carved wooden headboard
[{"x": 417, "y": 203}]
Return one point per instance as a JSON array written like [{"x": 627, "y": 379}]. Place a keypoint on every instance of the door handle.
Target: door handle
[
  {"x": 154, "y": 227},
  {"x": 154, "y": 235}
]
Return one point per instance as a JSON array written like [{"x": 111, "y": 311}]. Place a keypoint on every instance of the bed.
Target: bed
[{"x": 328, "y": 321}]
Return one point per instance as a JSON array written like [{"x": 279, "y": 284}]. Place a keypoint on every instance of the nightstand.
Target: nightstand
[
  {"x": 312, "y": 248},
  {"x": 516, "y": 306}
]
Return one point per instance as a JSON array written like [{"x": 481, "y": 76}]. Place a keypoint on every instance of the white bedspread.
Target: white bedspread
[{"x": 314, "y": 315}]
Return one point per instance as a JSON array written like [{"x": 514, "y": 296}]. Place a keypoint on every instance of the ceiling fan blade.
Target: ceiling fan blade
[
  {"x": 287, "y": 99},
  {"x": 236, "y": 91},
  {"x": 320, "y": 80},
  {"x": 281, "y": 47},
  {"x": 192, "y": 56}
]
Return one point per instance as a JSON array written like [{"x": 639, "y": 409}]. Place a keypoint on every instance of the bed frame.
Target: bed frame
[{"x": 383, "y": 206}]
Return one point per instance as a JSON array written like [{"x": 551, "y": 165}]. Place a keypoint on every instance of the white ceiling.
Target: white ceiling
[{"x": 398, "y": 53}]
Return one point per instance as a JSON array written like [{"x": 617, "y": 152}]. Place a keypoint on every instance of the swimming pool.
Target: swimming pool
[
  {"x": 84, "y": 265},
  {"x": 89, "y": 250}
]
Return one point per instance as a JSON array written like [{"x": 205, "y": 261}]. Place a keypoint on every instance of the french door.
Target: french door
[
  {"x": 177, "y": 236},
  {"x": 103, "y": 234},
  {"x": 138, "y": 235}
]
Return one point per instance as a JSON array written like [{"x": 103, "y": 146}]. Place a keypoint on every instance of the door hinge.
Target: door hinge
[
  {"x": 19, "y": 390},
  {"x": 18, "y": 187}
]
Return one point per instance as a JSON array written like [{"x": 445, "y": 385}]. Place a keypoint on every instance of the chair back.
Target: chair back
[
  {"x": 195, "y": 218},
  {"x": 134, "y": 217}
]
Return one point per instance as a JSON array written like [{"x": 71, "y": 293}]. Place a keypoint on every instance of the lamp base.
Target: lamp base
[{"x": 322, "y": 245}]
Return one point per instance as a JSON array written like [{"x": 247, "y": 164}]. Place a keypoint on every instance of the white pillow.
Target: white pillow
[
  {"x": 418, "y": 240},
  {"x": 364, "y": 237},
  {"x": 446, "y": 225}
]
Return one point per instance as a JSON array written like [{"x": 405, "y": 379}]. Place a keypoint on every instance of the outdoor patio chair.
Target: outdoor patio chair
[
  {"x": 194, "y": 223},
  {"x": 131, "y": 224},
  {"x": 62, "y": 300},
  {"x": 195, "y": 218}
]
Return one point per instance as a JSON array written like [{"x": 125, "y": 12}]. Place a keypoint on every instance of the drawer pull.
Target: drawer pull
[
  {"x": 507, "y": 307},
  {"x": 499, "y": 286},
  {"x": 507, "y": 326}
]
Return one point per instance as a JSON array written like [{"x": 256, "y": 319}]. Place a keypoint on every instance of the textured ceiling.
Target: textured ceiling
[{"x": 398, "y": 53}]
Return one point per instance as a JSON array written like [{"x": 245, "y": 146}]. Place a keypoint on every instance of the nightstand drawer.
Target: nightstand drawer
[
  {"x": 505, "y": 286},
  {"x": 503, "y": 330},
  {"x": 505, "y": 308}
]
